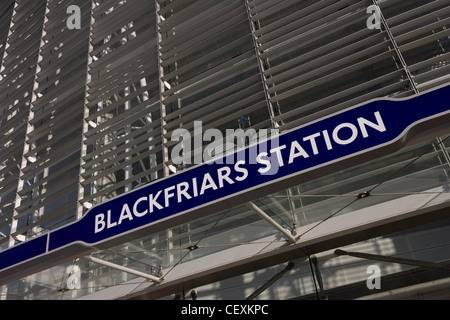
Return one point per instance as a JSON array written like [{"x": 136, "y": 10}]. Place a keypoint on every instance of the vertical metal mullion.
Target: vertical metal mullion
[
  {"x": 85, "y": 115},
  {"x": 29, "y": 128},
  {"x": 396, "y": 48},
  {"x": 4, "y": 289},
  {"x": 165, "y": 152},
  {"x": 271, "y": 110}
]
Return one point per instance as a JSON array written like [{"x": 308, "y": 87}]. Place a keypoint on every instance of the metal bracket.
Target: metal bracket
[
  {"x": 122, "y": 268},
  {"x": 377, "y": 257},
  {"x": 266, "y": 217}
]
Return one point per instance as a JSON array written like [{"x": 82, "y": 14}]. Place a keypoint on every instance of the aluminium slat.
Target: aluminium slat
[
  {"x": 102, "y": 7},
  {"x": 57, "y": 154},
  {"x": 405, "y": 16},
  {"x": 125, "y": 12},
  {"x": 44, "y": 199},
  {"x": 54, "y": 145},
  {"x": 293, "y": 16},
  {"x": 119, "y": 17},
  {"x": 204, "y": 58},
  {"x": 153, "y": 126},
  {"x": 263, "y": 10},
  {"x": 57, "y": 106},
  {"x": 19, "y": 131},
  {"x": 431, "y": 74},
  {"x": 15, "y": 121},
  {"x": 220, "y": 70},
  {"x": 137, "y": 136},
  {"x": 227, "y": 21},
  {"x": 262, "y": 105},
  {"x": 117, "y": 122},
  {"x": 47, "y": 198},
  {"x": 49, "y": 177},
  {"x": 212, "y": 97},
  {"x": 124, "y": 53},
  {"x": 423, "y": 41},
  {"x": 56, "y": 37},
  {"x": 65, "y": 75},
  {"x": 119, "y": 162},
  {"x": 322, "y": 66},
  {"x": 43, "y": 220},
  {"x": 21, "y": 94},
  {"x": 66, "y": 41},
  {"x": 53, "y": 126},
  {"x": 31, "y": 12},
  {"x": 366, "y": 174},
  {"x": 57, "y": 13},
  {"x": 65, "y": 90},
  {"x": 303, "y": 27},
  {"x": 200, "y": 26},
  {"x": 408, "y": 25},
  {"x": 294, "y": 114},
  {"x": 56, "y": 138},
  {"x": 111, "y": 129},
  {"x": 429, "y": 62},
  {"x": 269, "y": 7},
  {"x": 422, "y": 30},
  {"x": 98, "y": 163},
  {"x": 22, "y": 69},
  {"x": 50, "y": 88},
  {"x": 354, "y": 40},
  {"x": 192, "y": 49},
  {"x": 8, "y": 113},
  {"x": 181, "y": 16},
  {"x": 16, "y": 50},
  {"x": 210, "y": 122},
  {"x": 330, "y": 77},
  {"x": 48, "y": 70},
  {"x": 107, "y": 191},
  {"x": 47, "y": 161},
  {"x": 117, "y": 81},
  {"x": 122, "y": 100},
  {"x": 224, "y": 105},
  {"x": 136, "y": 26},
  {"x": 9, "y": 184},
  {"x": 129, "y": 74}
]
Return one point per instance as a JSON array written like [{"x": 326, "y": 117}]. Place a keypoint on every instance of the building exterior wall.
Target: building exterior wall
[{"x": 88, "y": 114}]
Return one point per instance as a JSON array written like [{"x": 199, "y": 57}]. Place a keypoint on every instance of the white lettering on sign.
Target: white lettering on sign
[{"x": 271, "y": 160}]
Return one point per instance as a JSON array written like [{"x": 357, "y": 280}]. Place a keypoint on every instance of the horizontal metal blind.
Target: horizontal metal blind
[
  {"x": 122, "y": 143},
  {"x": 320, "y": 57},
  {"x": 20, "y": 55},
  {"x": 209, "y": 68},
  {"x": 422, "y": 32}
]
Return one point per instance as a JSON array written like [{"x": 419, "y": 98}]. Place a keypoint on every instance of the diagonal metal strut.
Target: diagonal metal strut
[{"x": 411, "y": 262}]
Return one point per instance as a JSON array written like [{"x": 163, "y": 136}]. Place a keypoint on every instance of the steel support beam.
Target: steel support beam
[
  {"x": 377, "y": 257},
  {"x": 275, "y": 224},
  {"x": 122, "y": 268},
  {"x": 271, "y": 281}
]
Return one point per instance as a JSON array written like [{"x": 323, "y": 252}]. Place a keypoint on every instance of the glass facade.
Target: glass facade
[{"x": 88, "y": 114}]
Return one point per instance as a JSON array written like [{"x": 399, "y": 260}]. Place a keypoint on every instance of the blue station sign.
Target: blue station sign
[{"x": 352, "y": 136}]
